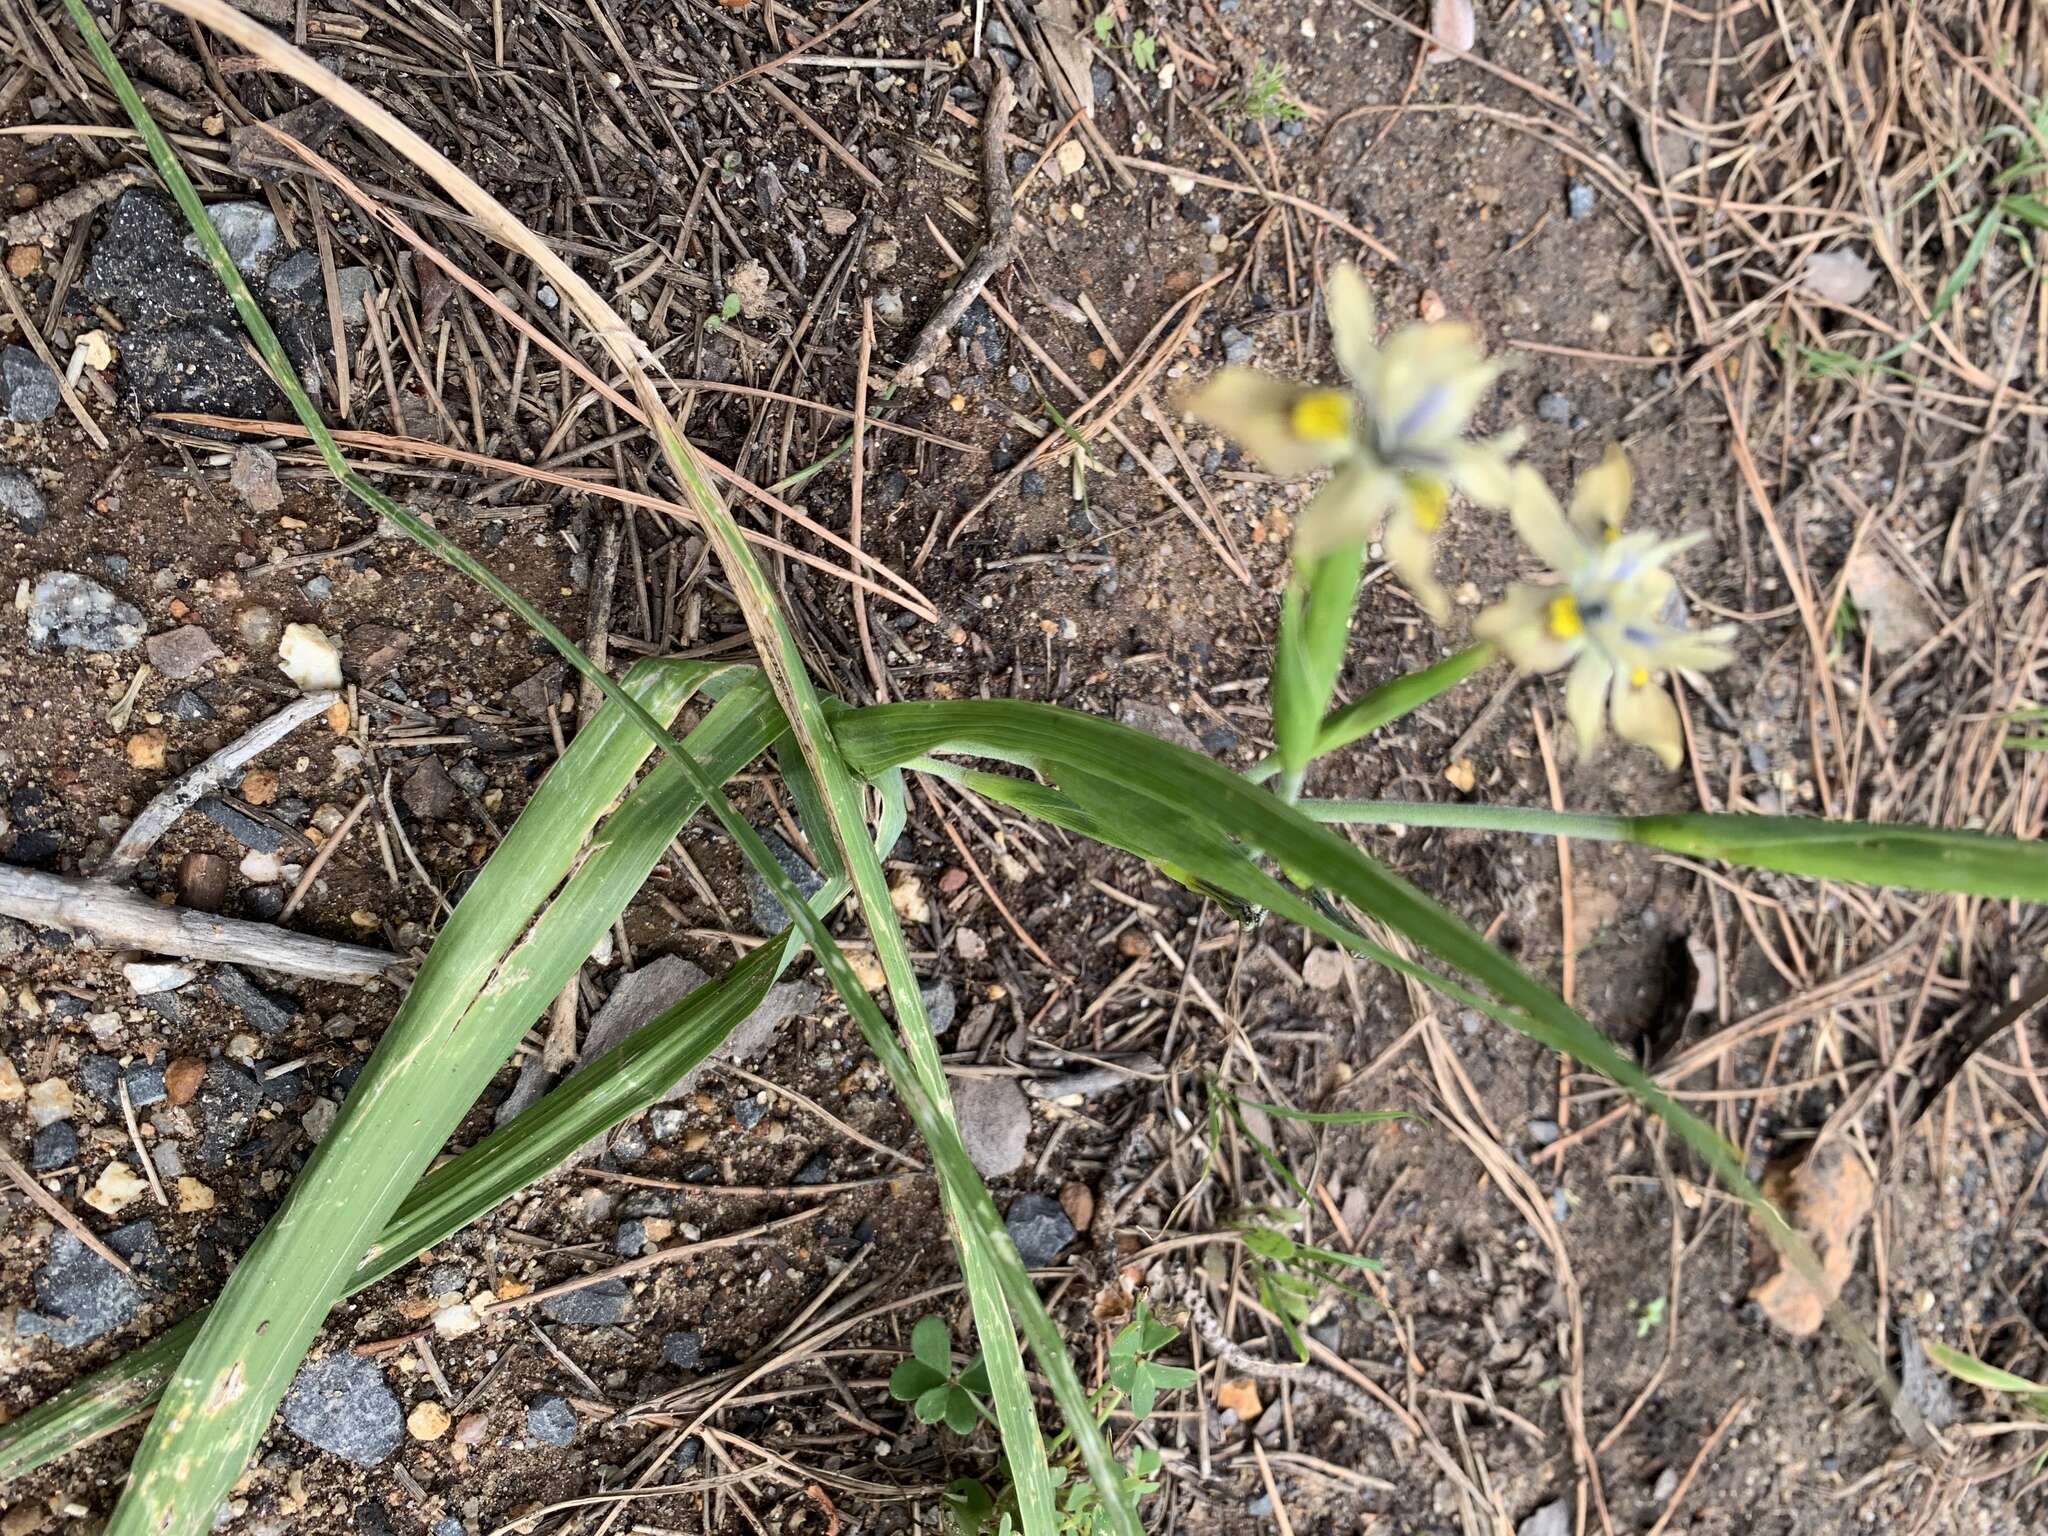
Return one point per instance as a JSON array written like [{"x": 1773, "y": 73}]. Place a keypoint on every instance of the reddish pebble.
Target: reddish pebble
[
  {"x": 182, "y": 1078},
  {"x": 952, "y": 882}
]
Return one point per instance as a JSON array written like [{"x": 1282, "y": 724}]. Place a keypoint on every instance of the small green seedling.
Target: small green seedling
[
  {"x": 937, "y": 1393},
  {"x": 1105, "y": 23},
  {"x": 1649, "y": 1316},
  {"x": 1144, "y": 50},
  {"x": 728, "y": 311},
  {"x": 1133, "y": 1371},
  {"x": 1265, "y": 94}
]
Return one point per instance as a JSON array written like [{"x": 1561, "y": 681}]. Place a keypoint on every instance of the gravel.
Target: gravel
[
  {"x": 70, "y": 612},
  {"x": 1039, "y": 1228},
  {"x": 180, "y": 653},
  {"x": 248, "y": 230},
  {"x": 1237, "y": 346},
  {"x": 342, "y": 1404},
  {"x": 241, "y": 826},
  {"x": 769, "y": 918},
  {"x": 266, "y": 1012},
  {"x": 22, "y": 501},
  {"x": 1554, "y": 407},
  {"x": 1579, "y": 200},
  {"x": 594, "y": 1306},
  {"x": 28, "y": 384},
  {"x": 80, "y": 1295},
  {"x": 1553, "y": 1519},
  {"x": 683, "y": 1350},
  {"x": 226, "y": 1101},
  {"x": 995, "y": 1124},
  {"x": 55, "y": 1146},
  {"x": 551, "y": 1421}
]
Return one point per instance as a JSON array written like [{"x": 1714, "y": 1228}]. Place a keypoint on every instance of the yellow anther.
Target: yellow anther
[
  {"x": 1564, "y": 619},
  {"x": 1640, "y": 678},
  {"x": 1321, "y": 416}
]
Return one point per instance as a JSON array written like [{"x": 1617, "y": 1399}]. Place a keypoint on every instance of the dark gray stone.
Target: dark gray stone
[
  {"x": 1554, "y": 407},
  {"x": 187, "y": 705},
  {"x": 594, "y": 1306},
  {"x": 226, "y": 1102},
  {"x": 100, "y": 1076},
  {"x": 193, "y": 368},
  {"x": 1237, "y": 346},
  {"x": 429, "y": 793},
  {"x": 941, "y": 1004},
  {"x": 749, "y": 1111},
  {"x": 769, "y": 918},
  {"x": 267, "y": 1012},
  {"x": 55, "y": 1146},
  {"x": 80, "y": 1295},
  {"x": 21, "y": 500},
  {"x": 684, "y": 1350},
  {"x": 342, "y": 1404},
  {"x": 686, "y": 1454},
  {"x": 70, "y": 612},
  {"x": 817, "y": 1171},
  {"x": 552, "y": 1421},
  {"x": 241, "y": 826},
  {"x": 28, "y": 384},
  {"x": 630, "y": 1239},
  {"x": 140, "y": 271},
  {"x": 448, "y": 1525},
  {"x": 1039, "y": 1228},
  {"x": 447, "y": 1280}
]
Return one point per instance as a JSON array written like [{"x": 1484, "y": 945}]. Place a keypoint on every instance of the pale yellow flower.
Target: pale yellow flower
[
  {"x": 1395, "y": 440},
  {"x": 1606, "y": 616}
]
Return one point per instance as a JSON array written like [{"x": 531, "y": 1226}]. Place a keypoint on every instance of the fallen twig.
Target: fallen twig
[
  {"x": 162, "y": 813},
  {"x": 48, "y": 220},
  {"x": 124, "y": 919},
  {"x": 996, "y": 253},
  {"x": 54, "y": 1209}
]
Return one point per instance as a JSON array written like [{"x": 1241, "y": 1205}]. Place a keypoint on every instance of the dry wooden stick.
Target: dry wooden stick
[
  {"x": 158, "y": 816},
  {"x": 124, "y": 919},
  {"x": 997, "y": 251}
]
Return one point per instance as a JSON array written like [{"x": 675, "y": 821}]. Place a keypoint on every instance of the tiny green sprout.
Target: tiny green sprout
[
  {"x": 1265, "y": 94},
  {"x": 1105, "y": 23},
  {"x": 938, "y": 1394},
  {"x": 1650, "y": 1317},
  {"x": 1144, "y": 50},
  {"x": 728, "y": 311}
]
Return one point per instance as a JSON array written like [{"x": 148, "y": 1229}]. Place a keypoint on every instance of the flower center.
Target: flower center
[
  {"x": 1563, "y": 617},
  {"x": 1321, "y": 416},
  {"x": 1640, "y": 678},
  {"x": 1426, "y": 500}
]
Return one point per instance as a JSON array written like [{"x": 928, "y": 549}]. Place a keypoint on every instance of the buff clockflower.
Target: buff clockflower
[
  {"x": 1605, "y": 617},
  {"x": 1395, "y": 440}
]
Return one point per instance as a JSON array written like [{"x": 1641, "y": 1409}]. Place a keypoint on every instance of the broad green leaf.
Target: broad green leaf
[
  {"x": 932, "y": 1342},
  {"x": 930, "y": 1406},
  {"x": 912, "y": 1379},
  {"x": 961, "y": 1414}
]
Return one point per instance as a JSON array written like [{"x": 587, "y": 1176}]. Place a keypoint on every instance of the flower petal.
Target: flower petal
[
  {"x": 1541, "y": 523},
  {"x": 1646, "y": 716},
  {"x": 1600, "y": 498},
  {"x": 1482, "y": 472},
  {"x": 1257, "y": 410},
  {"x": 1585, "y": 698},
  {"x": 1347, "y": 510},
  {"x": 1517, "y": 624},
  {"x": 1354, "y": 328},
  {"x": 1411, "y": 551}
]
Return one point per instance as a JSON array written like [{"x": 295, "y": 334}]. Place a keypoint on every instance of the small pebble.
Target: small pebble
[
  {"x": 70, "y": 612},
  {"x": 144, "y": 977},
  {"x": 309, "y": 658},
  {"x": 1237, "y": 346},
  {"x": 551, "y": 1421},
  {"x": 146, "y": 750},
  {"x": 428, "y": 1421},
  {"x": 1551, "y": 406},
  {"x": 1579, "y": 200},
  {"x": 22, "y": 501},
  {"x": 684, "y": 1350},
  {"x": 181, "y": 652},
  {"x": 593, "y": 1306},
  {"x": 1039, "y": 1228},
  {"x": 55, "y": 1146}
]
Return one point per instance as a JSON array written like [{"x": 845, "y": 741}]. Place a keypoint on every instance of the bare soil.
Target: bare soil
[{"x": 1567, "y": 1327}]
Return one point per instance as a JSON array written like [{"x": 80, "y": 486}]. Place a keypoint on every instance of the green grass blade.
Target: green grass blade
[
  {"x": 1168, "y": 798},
  {"x": 1308, "y": 653},
  {"x": 191, "y": 1455},
  {"x": 1908, "y": 857},
  {"x": 1388, "y": 702},
  {"x": 1978, "y": 1374}
]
